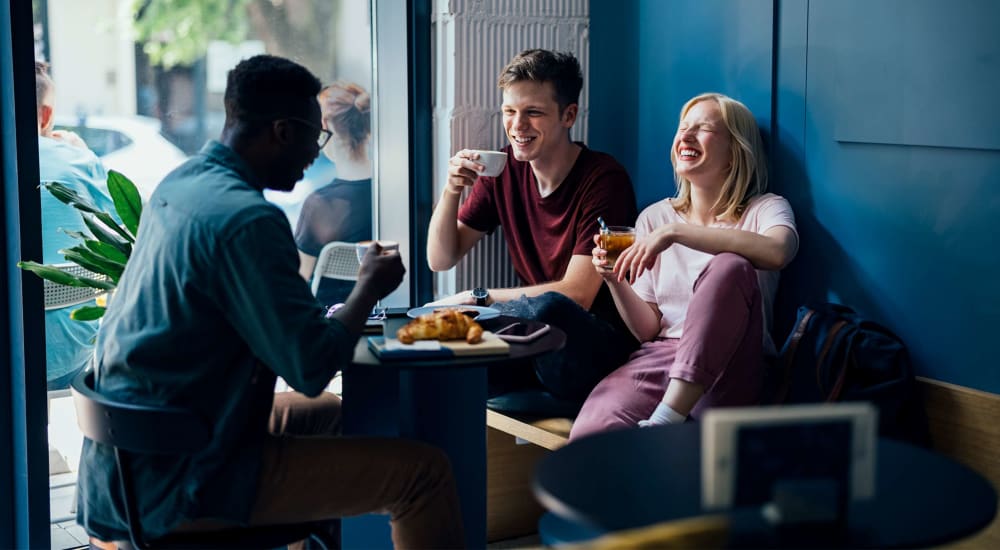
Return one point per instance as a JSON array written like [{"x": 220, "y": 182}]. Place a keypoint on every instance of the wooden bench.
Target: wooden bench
[
  {"x": 964, "y": 425},
  {"x": 514, "y": 445}
]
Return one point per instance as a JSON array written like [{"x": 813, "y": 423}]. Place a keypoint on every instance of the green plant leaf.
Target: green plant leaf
[
  {"x": 97, "y": 283},
  {"x": 105, "y": 236},
  {"x": 128, "y": 203},
  {"x": 87, "y": 313},
  {"x": 68, "y": 195},
  {"x": 107, "y": 263},
  {"x": 78, "y": 235},
  {"x": 107, "y": 251},
  {"x": 86, "y": 259},
  {"x": 111, "y": 224},
  {"x": 50, "y": 273}
]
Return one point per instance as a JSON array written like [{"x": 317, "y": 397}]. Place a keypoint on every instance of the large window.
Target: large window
[{"x": 142, "y": 81}]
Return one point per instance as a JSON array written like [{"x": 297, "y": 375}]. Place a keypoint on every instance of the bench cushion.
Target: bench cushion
[{"x": 533, "y": 402}]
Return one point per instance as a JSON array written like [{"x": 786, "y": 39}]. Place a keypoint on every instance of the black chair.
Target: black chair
[{"x": 130, "y": 428}]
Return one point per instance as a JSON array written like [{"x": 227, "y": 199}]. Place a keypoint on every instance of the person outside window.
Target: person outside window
[
  {"x": 703, "y": 272},
  {"x": 547, "y": 201},
  {"x": 341, "y": 210},
  {"x": 211, "y": 308},
  {"x": 63, "y": 157}
]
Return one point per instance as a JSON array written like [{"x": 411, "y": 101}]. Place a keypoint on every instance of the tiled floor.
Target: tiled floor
[
  {"x": 68, "y": 535},
  {"x": 64, "y": 455}
]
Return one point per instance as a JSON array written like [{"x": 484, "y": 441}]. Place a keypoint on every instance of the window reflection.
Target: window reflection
[
  {"x": 162, "y": 66},
  {"x": 145, "y": 91}
]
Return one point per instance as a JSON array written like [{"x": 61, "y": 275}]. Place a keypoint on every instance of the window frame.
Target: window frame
[
  {"x": 24, "y": 507},
  {"x": 402, "y": 162}
]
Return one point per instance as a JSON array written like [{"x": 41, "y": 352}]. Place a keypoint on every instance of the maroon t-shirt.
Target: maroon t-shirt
[{"x": 543, "y": 233}]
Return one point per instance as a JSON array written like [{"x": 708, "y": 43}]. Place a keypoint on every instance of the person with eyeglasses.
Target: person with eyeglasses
[
  {"x": 342, "y": 209},
  {"x": 212, "y": 308},
  {"x": 324, "y": 135}
]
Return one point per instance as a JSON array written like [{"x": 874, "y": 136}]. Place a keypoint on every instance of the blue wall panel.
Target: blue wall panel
[
  {"x": 901, "y": 112},
  {"x": 686, "y": 48},
  {"x": 613, "y": 79},
  {"x": 885, "y": 130}
]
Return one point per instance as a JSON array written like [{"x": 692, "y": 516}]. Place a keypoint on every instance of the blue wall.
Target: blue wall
[
  {"x": 614, "y": 88},
  {"x": 884, "y": 125}
]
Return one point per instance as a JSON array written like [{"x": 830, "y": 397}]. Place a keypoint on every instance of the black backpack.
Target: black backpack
[{"x": 834, "y": 355}]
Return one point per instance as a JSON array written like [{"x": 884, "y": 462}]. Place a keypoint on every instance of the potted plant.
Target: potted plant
[{"x": 105, "y": 250}]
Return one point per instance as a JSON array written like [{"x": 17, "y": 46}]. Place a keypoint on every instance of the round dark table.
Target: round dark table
[
  {"x": 441, "y": 401},
  {"x": 636, "y": 477}
]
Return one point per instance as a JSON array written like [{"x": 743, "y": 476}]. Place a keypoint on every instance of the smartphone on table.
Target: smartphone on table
[{"x": 522, "y": 331}]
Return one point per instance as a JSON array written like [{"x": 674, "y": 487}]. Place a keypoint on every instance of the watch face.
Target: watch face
[{"x": 479, "y": 293}]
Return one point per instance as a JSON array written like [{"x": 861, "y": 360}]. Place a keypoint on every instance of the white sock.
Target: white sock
[{"x": 663, "y": 415}]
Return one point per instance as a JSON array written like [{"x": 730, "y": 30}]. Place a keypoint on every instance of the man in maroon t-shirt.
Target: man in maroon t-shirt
[{"x": 547, "y": 200}]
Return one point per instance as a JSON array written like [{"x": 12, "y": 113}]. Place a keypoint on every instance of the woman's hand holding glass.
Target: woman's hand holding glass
[
  {"x": 600, "y": 260},
  {"x": 641, "y": 256}
]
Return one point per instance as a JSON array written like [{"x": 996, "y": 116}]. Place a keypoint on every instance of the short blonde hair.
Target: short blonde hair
[
  {"x": 747, "y": 176},
  {"x": 346, "y": 110}
]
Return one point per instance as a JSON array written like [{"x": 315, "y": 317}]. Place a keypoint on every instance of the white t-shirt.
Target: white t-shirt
[{"x": 670, "y": 284}]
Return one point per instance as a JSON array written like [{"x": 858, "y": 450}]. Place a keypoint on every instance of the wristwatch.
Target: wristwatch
[{"x": 481, "y": 295}]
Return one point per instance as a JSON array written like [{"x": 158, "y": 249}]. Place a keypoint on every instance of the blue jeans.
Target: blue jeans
[{"x": 594, "y": 348}]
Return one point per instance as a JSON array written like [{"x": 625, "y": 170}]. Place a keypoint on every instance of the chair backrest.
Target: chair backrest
[
  {"x": 131, "y": 428},
  {"x": 337, "y": 260},
  {"x": 58, "y": 296},
  {"x": 134, "y": 427}
]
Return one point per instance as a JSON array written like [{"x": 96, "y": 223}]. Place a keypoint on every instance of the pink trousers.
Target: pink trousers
[{"x": 721, "y": 348}]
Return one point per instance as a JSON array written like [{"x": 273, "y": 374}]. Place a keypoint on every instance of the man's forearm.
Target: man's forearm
[
  {"x": 354, "y": 313},
  {"x": 442, "y": 234},
  {"x": 562, "y": 287}
]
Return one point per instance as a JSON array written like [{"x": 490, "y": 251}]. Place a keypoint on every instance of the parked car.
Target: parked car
[{"x": 132, "y": 145}]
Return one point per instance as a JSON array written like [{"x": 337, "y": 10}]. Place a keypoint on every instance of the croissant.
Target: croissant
[{"x": 446, "y": 324}]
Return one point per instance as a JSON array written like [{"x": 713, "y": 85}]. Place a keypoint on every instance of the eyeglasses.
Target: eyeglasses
[{"x": 324, "y": 134}]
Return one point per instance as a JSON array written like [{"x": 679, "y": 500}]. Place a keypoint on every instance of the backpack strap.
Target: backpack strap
[
  {"x": 831, "y": 337},
  {"x": 838, "y": 386},
  {"x": 793, "y": 346}
]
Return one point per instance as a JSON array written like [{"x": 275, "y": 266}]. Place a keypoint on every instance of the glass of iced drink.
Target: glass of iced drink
[{"x": 615, "y": 239}]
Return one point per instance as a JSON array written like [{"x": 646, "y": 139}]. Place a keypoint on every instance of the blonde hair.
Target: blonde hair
[
  {"x": 347, "y": 112},
  {"x": 747, "y": 176}
]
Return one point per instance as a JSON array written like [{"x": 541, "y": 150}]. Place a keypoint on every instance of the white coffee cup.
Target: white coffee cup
[
  {"x": 363, "y": 246},
  {"x": 494, "y": 161}
]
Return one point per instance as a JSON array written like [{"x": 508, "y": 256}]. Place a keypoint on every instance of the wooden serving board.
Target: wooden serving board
[{"x": 491, "y": 344}]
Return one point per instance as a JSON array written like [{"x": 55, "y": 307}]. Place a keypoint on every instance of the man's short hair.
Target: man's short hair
[
  {"x": 561, "y": 69},
  {"x": 43, "y": 83},
  {"x": 266, "y": 87}
]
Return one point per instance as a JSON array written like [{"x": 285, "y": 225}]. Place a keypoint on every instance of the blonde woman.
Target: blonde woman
[
  {"x": 703, "y": 273},
  {"x": 342, "y": 209}
]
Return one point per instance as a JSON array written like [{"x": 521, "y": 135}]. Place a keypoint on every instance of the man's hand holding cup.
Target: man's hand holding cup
[{"x": 468, "y": 164}]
